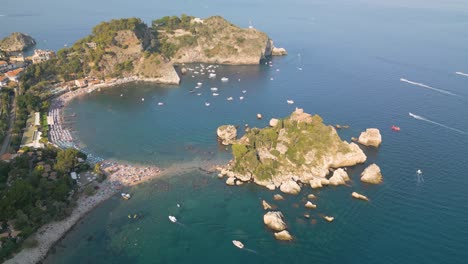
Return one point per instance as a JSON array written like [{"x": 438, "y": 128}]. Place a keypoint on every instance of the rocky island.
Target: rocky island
[
  {"x": 16, "y": 42},
  {"x": 297, "y": 149},
  {"x": 129, "y": 48}
]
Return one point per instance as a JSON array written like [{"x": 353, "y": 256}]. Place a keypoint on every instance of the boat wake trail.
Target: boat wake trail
[
  {"x": 251, "y": 250},
  {"x": 462, "y": 74},
  {"x": 435, "y": 123},
  {"x": 428, "y": 87}
]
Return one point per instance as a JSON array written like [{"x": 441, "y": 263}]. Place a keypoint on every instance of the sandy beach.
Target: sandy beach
[{"x": 118, "y": 176}]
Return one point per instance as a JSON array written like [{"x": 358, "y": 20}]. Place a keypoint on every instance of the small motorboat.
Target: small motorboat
[
  {"x": 395, "y": 128},
  {"x": 173, "y": 219},
  {"x": 207, "y": 104},
  {"x": 214, "y": 89},
  {"x": 160, "y": 103},
  {"x": 212, "y": 75},
  {"x": 290, "y": 101},
  {"x": 241, "y": 98},
  {"x": 230, "y": 98},
  {"x": 126, "y": 196},
  {"x": 329, "y": 218},
  {"x": 142, "y": 99},
  {"x": 238, "y": 244},
  {"x": 271, "y": 79},
  {"x": 121, "y": 95},
  {"x": 198, "y": 94},
  {"x": 215, "y": 94},
  {"x": 199, "y": 84},
  {"x": 244, "y": 91},
  {"x": 178, "y": 205},
  {"x": 225, "y": 79},
  {"x": 419, "y": 172}
]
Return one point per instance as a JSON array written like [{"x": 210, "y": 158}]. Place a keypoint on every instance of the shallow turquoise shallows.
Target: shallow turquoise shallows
[{"x": 353, "y": 55}]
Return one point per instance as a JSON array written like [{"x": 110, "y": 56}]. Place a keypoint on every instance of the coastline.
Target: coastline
[{"x": 118, "y": 176}]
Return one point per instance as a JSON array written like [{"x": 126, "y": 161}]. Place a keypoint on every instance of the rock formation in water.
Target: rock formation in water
[
  {"x": 299, "y": 148},
  {"x": 370, "y": 137},
  {"x": 359, "y": 196},
  {"x": 274, "y": 221},
  {"x": 131, "y": 48},
  {"x": 278, "y": 197},
  {"x": 283, "y": 235},
  {"x": 16, "y": 42},
  {"x": 372, "y": 174},
  {"x": 290, "y": 187},
  {"x": 266, "y": 206},
  {"x": 227, "y": 134},
  {"x": 339, "y": 177},
  {"x": 310, "y": 205}
]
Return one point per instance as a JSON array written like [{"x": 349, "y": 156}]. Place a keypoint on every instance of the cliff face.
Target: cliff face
[
  {"x": 17, "y": 42},
  {"x": 215, "y": 40},
  {"x": 300, "y": 146}
]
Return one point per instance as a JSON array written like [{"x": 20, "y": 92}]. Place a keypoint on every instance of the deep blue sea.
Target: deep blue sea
[{"x": 353, "y": 55}]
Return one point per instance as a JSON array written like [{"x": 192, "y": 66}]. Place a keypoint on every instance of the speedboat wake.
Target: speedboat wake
[
  {"x": 428, "y": 87},
  {"x": 435, "y": 123}
]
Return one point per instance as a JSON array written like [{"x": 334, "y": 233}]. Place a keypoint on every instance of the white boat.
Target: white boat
[
  {"x": 142, "y": 99},
  {"x": 225, "y": 79},
  {"x": 271, "y": 79},
  {"x": 199, "y": 84},
  {"x": 173, "y": 219},
  {"x": 160, "y": 103},
  {"x": 121, "y": 95},
  {"x": 126, "y": 196},
  {"x": 212, "y": 75},
  {"x": 244, "y": 91},
  {"x": 214, "y": 89},
  {"x": 198, "y": 94},
  {"x": 299, "y": 68},
  {"x": 230, "y": 98},
  {"x": 419, "y": 171},
  {"x": 238, "y": 244},
  {"x": 290, "y": 101},
  {"x": 241, "y": 98},
  {"x": 215, "y": 94},
  {"x": 207, "y": 104}
]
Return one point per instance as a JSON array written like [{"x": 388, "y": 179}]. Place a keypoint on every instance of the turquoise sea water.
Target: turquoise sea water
[{"x": 353, "y": 55}]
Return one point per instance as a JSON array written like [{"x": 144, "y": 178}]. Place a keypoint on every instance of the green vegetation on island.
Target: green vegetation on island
[
  {"x": 300, "y": 145},
  {"x": 129, "y": 47}
]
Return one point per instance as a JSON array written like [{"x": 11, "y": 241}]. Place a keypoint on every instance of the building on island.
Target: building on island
[
  {"x": 3, "y": 81},
  {"x": 91, "y": 45},
  {"x": 42, "y": 55},
  {"x": 81, "y": 83},
  {"x": 19, "y": 58},
  {"x": 14, "y": 75},
  {"x": 3, "y": 65}
]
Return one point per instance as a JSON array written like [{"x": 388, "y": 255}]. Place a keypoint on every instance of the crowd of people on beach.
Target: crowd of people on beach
[{"x": 127, "y": 175}]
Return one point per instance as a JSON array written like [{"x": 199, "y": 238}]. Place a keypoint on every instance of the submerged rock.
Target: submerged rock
[
  {"x": 311, "y": 196},
  {"x": 329, "y": 218},
  {"x": 370, "y": 137},
  {"x": 283, "y": 235},
  {"x": 372, "y": 174},
  {"x": 274, "y": 221},
  {"x": 359, "y": 196},
  {"x": 290, "y": 187},
  {"x": 227, "y": 134},
  {"x": 271, "y": 187}
]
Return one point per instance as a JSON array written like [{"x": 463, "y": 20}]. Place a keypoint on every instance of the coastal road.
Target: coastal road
[{"x": 6, "y": 141}]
